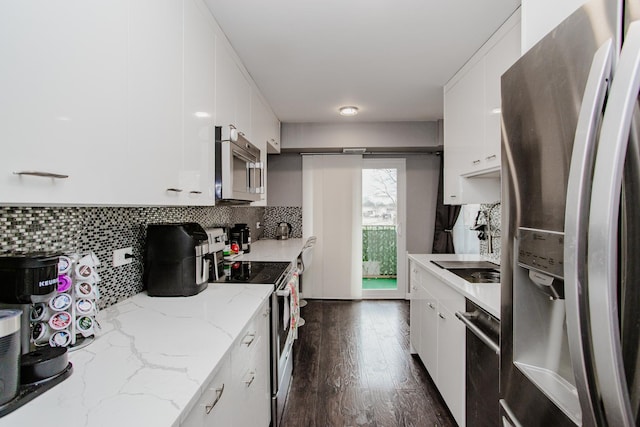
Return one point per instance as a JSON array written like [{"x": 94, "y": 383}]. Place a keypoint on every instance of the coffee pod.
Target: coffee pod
[
  {"x": 40, "y": 333},
  {"x": 85, "y": 326},
  {"x": 85, "y": 306},
  {"x": 60, "y": 339},
  {"x": 60, "y": 302},
  {"x": 84, "y": 272},
  {"x": 38, "y": 312},
  {"x": 64, "y": 283},
  {"x": 85, "y": 290},
  {"x": 60, "y": 320},
  {"x": 64, "y": 264}
]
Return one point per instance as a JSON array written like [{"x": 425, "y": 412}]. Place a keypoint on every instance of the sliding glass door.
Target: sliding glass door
[{"x": 383, "y": 237}]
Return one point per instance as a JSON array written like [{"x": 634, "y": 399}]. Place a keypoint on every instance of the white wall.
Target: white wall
[{"x": 284, "y": 186}]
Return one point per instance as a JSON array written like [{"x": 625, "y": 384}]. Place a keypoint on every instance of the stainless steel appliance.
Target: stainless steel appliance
[
  {"x": 239, "y": 171},
  {"x": 10, "y": 354},
  {"x": 217, "y": 237},
  {"x": 283, "y": 231},
  {"x": 177, "y": 259},
  {"x": 482, "y": 366},
  {"x": 571, "y": 225},
  {"x": 277, "y": 274}
]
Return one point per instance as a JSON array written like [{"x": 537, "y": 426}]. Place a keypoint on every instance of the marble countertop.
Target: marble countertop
[
  {"x": 150, "y": 363},
  {"x": 486, "y": 295},
  {"x": 274, "y": 250}
]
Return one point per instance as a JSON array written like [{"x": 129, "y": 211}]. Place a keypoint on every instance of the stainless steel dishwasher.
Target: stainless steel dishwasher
[{"x": 482, "y": 366}]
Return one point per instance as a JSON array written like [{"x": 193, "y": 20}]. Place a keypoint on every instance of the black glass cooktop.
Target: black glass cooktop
[{"x": 255, "y": 272}]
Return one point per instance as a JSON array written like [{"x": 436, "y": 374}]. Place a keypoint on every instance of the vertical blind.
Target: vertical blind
[{"x": 332, "y": 211}]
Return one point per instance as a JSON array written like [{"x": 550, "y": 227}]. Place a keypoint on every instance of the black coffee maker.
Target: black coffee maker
[
  {"x": 177, "y": 260},
  {"x": 26, "y": 279}
]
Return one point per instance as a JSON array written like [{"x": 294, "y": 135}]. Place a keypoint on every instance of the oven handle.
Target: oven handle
[
  {"x": 466, "y": 319},
  {"x": 283, "y": 293}
]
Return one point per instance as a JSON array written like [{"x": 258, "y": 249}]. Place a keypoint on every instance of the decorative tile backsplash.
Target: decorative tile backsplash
[
  {"x": 104, "y": 229},
  {"x": 495, "y": 214},
  {"x": 274, "y": 215}
]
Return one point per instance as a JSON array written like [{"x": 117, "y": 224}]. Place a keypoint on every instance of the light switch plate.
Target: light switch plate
[{"x": 119, "y": 256}]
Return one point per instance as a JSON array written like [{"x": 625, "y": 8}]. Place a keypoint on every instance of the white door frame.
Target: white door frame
[{"x": 401, "y": 291}]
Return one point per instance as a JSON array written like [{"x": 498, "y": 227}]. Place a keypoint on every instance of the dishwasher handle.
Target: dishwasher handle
[{"x": 466, "y": 319}]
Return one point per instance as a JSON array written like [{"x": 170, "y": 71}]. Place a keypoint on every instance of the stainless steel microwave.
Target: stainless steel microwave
[{"x": 239, "y": 172}]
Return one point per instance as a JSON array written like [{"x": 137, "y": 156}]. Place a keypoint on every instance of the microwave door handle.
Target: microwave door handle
[
  {"x": 576, "y": 224},
  {"x": 602, "y": 246},
  {"x": 249, "y": 177}
]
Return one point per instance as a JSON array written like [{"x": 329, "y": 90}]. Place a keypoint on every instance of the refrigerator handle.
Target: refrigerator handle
[
  {"x": 603, "y": 232},
  {"x": 576, "y": 225}
]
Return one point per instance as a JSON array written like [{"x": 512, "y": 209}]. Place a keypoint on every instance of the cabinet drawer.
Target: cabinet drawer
[
  {"x": 215, "y": 406},
  {"x": 416, "y": 274},
  {"x": 447, "y": 296}
]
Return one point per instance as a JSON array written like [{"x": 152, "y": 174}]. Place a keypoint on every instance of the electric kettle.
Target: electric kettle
[{"x": 283, "y": 231}]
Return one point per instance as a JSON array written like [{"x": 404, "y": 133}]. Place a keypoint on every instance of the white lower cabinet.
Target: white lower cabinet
[
  {"x": 239, "y": 395},
  {"x": 439, "y": 337}
]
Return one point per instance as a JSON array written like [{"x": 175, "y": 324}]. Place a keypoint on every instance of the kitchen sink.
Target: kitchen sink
[{"x": 477, "y": 275}]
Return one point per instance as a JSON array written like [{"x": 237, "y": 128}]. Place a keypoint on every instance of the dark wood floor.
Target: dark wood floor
[{"x": 352, "y": 367}]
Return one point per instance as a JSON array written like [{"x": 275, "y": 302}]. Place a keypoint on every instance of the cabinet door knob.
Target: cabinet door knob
[{"x": 219, "y": 392}]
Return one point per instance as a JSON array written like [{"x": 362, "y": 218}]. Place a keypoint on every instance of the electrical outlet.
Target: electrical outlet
[
  {"x": 258, "y": 224},
  {"x": 122, "y": 256}
]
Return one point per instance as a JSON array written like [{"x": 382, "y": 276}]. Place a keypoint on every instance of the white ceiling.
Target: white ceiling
[{"x": 390, "y": 58}]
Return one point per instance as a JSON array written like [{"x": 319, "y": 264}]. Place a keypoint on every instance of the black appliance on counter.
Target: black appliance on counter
[
  {"x": 277, "y": 274},
  {"x": 176, "y": 260},
  {"x": 26, "y": 279}
]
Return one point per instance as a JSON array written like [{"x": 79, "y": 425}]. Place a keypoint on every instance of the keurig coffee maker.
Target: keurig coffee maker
[
  {"x": 26, "y": 279},
  {"x": 177, "y": 260}
]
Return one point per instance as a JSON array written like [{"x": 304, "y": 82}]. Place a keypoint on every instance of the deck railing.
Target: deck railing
[{"x": 379, "y": 257}]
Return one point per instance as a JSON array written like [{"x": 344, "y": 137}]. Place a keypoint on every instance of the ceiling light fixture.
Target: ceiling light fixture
[{"x": 348, "y": 111}]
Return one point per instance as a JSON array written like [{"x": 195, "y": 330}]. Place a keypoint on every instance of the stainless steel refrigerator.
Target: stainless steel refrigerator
[{"x": 570, "y": 315}]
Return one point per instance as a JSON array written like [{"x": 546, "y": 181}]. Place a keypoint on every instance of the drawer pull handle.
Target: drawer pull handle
[
  {"x": 175, "y": 190},
  {"x": 476, "y": 162},
  {"x": 195, "y": 192},
  {"x": 491, "y": 157},
  {"x": 453, "y": 196},
  {"x": 431, "y": 306},
  {"x": 248, "y": 339},
  {"x": 442, "y": 316},
  {"x": 250, "y": 380},
  {"x": 219, "y": 392},
  {"x": 42, "y": 174}
]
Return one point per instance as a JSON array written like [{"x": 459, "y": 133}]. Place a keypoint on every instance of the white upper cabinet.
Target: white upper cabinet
[
  {"x": 63, "y": 89},
  {"x": 497, "y": 60},
  {"x": 472, "y": 134},
  {"x": 541, "y": 16},
  {"x": 115, "y": 103},
  {"x": 196, "y": 175},
  {"x": 154, "y": 102},
  {"x": 233, "y": 91}
]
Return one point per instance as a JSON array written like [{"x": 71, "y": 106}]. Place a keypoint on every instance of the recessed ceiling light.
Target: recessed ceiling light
[{"x": 348, "y": 111}]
